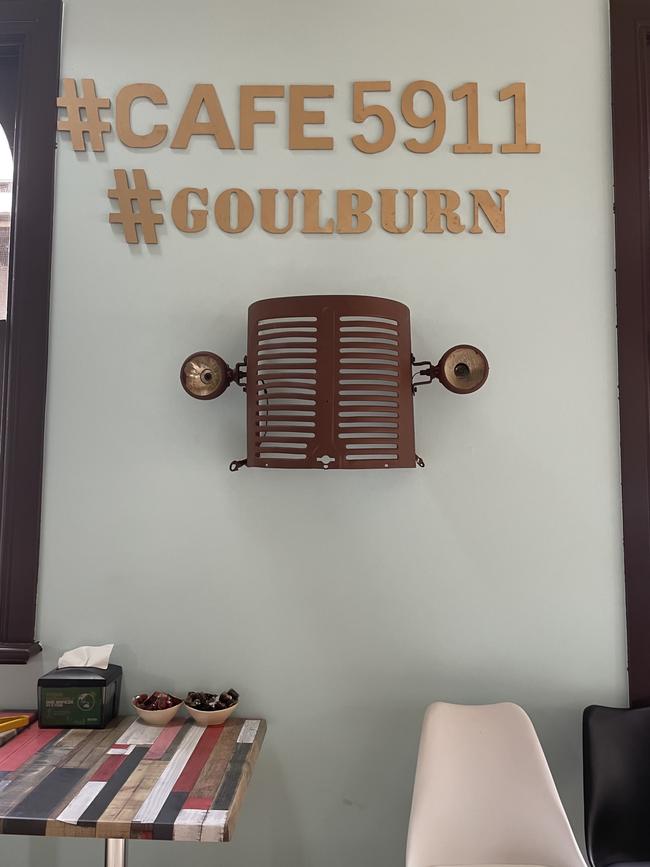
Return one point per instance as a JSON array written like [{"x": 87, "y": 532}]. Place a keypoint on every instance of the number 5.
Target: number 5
[{"x": 360, "y": 112}]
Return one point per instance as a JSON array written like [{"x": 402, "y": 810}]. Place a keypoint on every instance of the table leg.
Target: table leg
[{"x": 116, "y": 853}]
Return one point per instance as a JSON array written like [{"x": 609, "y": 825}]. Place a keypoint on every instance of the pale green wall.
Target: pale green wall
[{"x": 340, "y": 604}]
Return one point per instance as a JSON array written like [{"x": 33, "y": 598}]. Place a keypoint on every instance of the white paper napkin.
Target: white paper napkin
[{"x": 87, "y": 657}]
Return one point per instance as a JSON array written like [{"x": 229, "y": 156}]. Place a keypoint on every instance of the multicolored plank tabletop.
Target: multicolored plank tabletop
[{"x": 130, "y": 780}]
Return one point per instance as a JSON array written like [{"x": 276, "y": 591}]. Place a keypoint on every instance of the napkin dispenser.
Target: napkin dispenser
[{"x": 85, "y": 697}]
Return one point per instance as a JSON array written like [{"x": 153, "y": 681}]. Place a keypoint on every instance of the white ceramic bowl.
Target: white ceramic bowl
[
  {"x": 210, "y": 717},
  {"x": 157, "y": 717}
]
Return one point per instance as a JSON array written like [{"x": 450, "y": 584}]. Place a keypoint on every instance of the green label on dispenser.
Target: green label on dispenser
[{"x": 71, "y": 706}]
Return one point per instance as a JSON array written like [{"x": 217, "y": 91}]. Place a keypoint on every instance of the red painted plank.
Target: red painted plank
[
  {"x": 199, "y": 757},
  {"x": 24, "y": 736},
  {"x": 164, "y": 739},
  {"x": 197, "y": 804},
  {"x": 23, "y": 750},
  {"x": 106, "y": 770}
]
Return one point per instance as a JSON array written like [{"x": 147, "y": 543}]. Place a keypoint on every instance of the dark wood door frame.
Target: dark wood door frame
[
  {"x": 35, "y": 27},
  {"x": 630, "y": 40}
]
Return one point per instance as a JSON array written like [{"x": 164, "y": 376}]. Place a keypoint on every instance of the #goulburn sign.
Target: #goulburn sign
[{"x": 139, "y": 208}]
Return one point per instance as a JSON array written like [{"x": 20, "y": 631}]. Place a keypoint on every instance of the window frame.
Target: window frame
[
  {"x": 36, "y": 26},
  {"x": 630, "y": 47}
]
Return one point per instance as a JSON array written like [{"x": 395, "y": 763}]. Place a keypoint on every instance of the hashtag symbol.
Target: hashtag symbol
[
  {"x": 127, "y": 199},
  {"x": 83, "y": 114}
]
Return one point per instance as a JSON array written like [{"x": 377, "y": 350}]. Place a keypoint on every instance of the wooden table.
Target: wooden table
[{"x": 128, "y": 781}]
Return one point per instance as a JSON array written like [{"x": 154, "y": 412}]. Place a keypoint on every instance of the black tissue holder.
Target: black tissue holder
[{"x": 84, "y": 698}]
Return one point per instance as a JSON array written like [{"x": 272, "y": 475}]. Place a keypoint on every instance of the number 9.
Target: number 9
[{"x": 436, "y": 118}]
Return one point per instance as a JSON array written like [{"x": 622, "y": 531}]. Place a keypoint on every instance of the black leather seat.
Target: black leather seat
[{"x": 616, "y": 746}]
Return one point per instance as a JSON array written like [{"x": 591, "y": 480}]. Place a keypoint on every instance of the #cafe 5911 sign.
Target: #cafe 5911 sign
[{"x": 85, "y": 117}]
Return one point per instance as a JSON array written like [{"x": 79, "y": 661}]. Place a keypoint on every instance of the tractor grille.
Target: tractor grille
[{"x": 329, "y": 383}]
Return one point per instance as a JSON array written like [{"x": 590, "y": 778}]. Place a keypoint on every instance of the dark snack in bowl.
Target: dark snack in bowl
[
  {"x": 156, "y": 701},
  {"x": 211, "y": 701}
]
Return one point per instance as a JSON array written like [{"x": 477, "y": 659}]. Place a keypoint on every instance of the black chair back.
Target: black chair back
[{"x": 616, "y": 744}]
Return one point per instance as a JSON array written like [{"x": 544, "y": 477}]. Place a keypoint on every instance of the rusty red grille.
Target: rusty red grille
[{"x": 329, "y": 383}]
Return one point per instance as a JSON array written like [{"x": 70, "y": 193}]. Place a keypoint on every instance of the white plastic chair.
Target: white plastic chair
[{"x": 484, "y": 794}]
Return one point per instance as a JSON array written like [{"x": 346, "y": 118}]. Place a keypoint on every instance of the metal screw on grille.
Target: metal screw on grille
[{"x": 329, "y": 382}]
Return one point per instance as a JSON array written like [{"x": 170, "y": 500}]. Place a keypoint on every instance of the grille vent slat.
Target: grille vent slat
[
  {"x": 329, "y": 383},
  {"x": 368, "y": 319}
]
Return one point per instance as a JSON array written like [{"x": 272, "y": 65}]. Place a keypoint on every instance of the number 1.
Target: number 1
[
  {"x": 469, "y": 92},
  {"x": 520, "y": 145}
]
